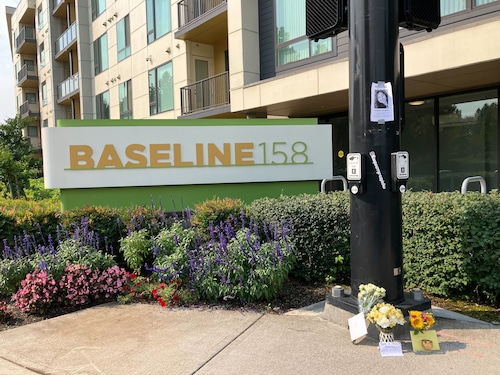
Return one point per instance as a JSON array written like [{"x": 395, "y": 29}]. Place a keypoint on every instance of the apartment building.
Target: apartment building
[{"x": 171, "y": 59}]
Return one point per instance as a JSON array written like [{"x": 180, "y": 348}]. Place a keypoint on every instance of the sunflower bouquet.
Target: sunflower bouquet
[{"x": 421, "y": 321}]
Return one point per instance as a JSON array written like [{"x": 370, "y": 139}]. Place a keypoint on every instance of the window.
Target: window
[
  {"x": 291, "y": 41},
  {"x": 32, "y": 131},
  {"x": 452, "y": 6},
  {"x": 101, "y": 54},
  {"x": 98, "y": 6},
  {"x": 102, "y": 105},
  {"x": 44, "y": 93},
  {"x": 161, "y": 89},
  {"x": 158, "y": 18},
  {"x": 468, "y": 146},
  {"x": 40, "y": 18},
  {"x": 45, "y": 123},
  {"x": 30, "y": 65},
  {"x": 482, "y": 2},
  {"x": 31, "y": 97},
  {"x": 123, "y": 38},
  {"x": 41, "y": 50},
  {"x": 125, "y": 96}
]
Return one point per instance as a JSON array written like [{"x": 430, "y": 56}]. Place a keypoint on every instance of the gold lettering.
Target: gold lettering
[
  {"x": 133, "y": 152},
  {"x": 109, "y": 158},
  {"x": 157, "y": 155},
  {"x": 240, "y": 154},
  {"x": 80, "y": 157},
  {"x": 200, "y": 159},
  {"x": 178, "y": 157},
  {"x": 223, "y": 156}
]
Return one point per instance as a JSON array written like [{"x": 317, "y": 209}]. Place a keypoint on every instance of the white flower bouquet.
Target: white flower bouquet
[
  {"x": 385, "y": 316},
  {"x": 368, "y": 296}
]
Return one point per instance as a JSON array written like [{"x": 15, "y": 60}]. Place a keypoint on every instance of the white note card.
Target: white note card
[
  {"x": 357, "y": 326},
  {"x": 390, "y": 349}
]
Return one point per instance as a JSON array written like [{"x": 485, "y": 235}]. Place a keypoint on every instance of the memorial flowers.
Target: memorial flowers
[
  {"x": 385, "y": 316},
  {"x": 368, "y": 296},
  {"x": 421, "y": 321}
]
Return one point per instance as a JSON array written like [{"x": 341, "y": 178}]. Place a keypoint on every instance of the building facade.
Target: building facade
[{"x": 171, "y": 59}]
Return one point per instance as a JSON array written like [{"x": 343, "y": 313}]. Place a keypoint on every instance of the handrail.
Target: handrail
[
  {"x": 334, "y": 178},
  {"x": 468, "y": 180}
]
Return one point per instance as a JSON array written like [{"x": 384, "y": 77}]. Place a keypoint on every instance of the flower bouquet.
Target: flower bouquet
[
  {"x": 368, "y": 296},
  {"x": 385, "y": 317},
  {"x": 421, "y": 321}
]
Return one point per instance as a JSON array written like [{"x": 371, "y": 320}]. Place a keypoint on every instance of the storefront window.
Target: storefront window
[{"x": 468, "y": 140}]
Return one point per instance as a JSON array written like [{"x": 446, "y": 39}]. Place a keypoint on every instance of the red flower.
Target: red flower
[
  {"x": 133, "y": 275},
  {"x": 162, "y": 285},
  {"x": 161, "y": 302},
  {"x": 132, "y": 290},
  {"x": 137, "y": 283},
  {"x": 154, "y": 291},
  {"x": 177, "y": 283},
  {"x": 175, "y": 297}
]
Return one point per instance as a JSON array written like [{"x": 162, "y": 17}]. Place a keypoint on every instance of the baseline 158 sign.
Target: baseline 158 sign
[{"x": 110, "y": 156}]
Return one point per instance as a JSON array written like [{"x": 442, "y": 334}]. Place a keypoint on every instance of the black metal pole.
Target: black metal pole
[{"x": 376, "y": 244}]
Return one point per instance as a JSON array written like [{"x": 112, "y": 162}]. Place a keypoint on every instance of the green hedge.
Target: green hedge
[
  {"x": 321, "y": 231},
  {"x": 451, "y": 244}
]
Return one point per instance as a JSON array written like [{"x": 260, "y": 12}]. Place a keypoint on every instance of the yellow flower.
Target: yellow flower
[{"x": 417, "y": 323}]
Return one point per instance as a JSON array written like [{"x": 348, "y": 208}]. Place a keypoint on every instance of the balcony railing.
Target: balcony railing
[
  {"x": 66, "y": 39},
  {"x": 27, "y": 35},
  {"x": 189, "y": 10},
  {"x": 28, "y": 71},
  {"x": 206, "y": 94},
  {"x": 68, "y": 87},
  {"x": 28, "y": 109}
]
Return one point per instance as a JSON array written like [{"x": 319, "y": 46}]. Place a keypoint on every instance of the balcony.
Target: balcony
[
  {"x": 202, "y": 21},
  {"x": 27, "y": 76},
  {"x": 68, "y": 88},
  {"x": 65, "y": 41},
  {"x": 59, "y": 9},
  {"x": 26, "y": 9},
  {"x": 208, "y": 94},
  {"x": 26, "y": 42},
  {"x": 28, "y": 109}
]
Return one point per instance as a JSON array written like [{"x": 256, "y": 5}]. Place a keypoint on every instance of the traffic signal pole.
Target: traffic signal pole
[{"x": 374, "y": 133}]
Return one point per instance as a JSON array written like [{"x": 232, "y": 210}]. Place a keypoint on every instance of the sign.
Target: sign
[{"x": 114, "y": 156}]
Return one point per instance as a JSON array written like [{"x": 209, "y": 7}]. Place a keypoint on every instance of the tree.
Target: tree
[{"x": 17, "y": 162}]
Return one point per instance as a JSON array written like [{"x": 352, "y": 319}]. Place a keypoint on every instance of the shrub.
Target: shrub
[
  {"x": 321, "y": 231},
  {"x": 37, "y": 292},
  {"x": 452, "y": 244},
  {"x": 78, "y": 285},
  {"x": 233, "y": 264},
  {"x": 215, "y": 211},
  {"x": 135, "y": 247}
]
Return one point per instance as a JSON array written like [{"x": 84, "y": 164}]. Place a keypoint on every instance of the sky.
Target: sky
[{"x": 7, "y": 99}]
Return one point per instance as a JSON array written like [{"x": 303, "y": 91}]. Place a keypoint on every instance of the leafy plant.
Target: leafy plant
[{"x": 135, "y": 247}]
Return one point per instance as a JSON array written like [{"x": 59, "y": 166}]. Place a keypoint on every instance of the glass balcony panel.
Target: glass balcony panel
[
  {"x": 66, "y": 39},
  {"x": 68, "y": 87}
]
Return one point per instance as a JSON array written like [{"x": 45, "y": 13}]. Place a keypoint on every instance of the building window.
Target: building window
[
  {"x": 41, "y": 50},
  {"x": 452, "y": 6},
  {"x": 123, "y": 38},
  {"x": 40, "y": 18},
  {"x": 482, "y": 2},
  {"x": 44, "y": 93},
  {"x": 292, "y": 43},
  {"x": 158, "y": 18},
  {"x": 161, "y": 89},
  {"x": 102, "y": 105},
  {"x": 31, "y": 97},
  {"x": 32, "y": 131},
  {"x": 45, "y": 123},
  {"x": 98, "y": 6},
  {"x": 125, "y": 96},
  {"x": 101, "y": 54},
  {"x": 468, "y": 140}
]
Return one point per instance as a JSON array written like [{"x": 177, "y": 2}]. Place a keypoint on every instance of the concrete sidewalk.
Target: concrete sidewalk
[{"x": 148, "y": 339}]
